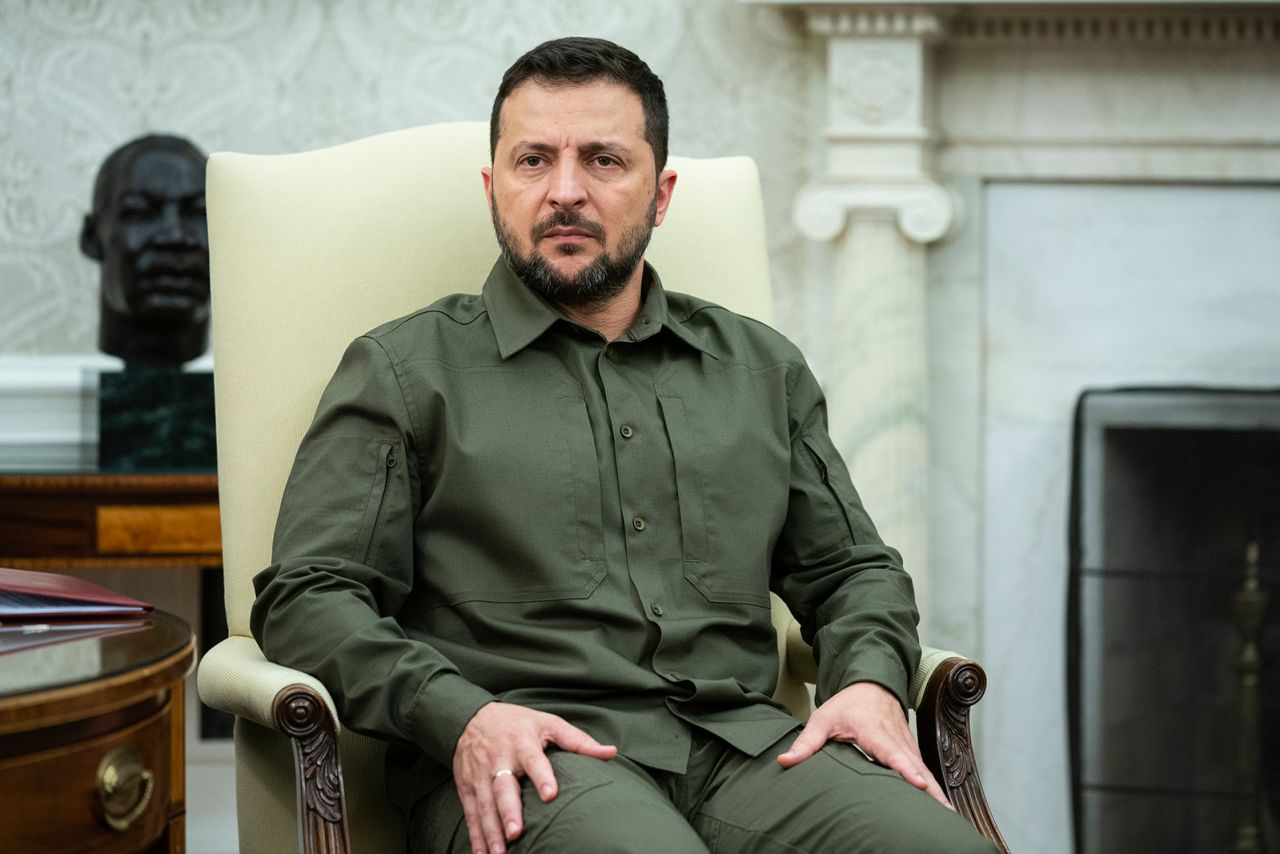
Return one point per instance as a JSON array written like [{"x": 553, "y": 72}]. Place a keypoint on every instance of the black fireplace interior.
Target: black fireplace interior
[{"x": 1169, "y": 488}]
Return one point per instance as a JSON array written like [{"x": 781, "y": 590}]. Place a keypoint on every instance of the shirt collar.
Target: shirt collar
[{"x": 520, "y": 317}]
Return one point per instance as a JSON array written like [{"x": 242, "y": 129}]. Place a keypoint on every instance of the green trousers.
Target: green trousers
[{"x": 727, "y": 802}]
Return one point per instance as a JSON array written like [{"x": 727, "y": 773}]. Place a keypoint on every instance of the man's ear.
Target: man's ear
[
  {"x": 90, "y": 242},
  {"x": 666, "y": 186},
  {"x": 486, "y": 174}
]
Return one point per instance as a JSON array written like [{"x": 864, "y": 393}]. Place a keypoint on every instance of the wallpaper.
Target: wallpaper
[{"x": 79, "y": 77}]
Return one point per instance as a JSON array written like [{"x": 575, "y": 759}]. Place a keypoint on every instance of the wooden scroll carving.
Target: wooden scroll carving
[
  {"x": 942, "y": 726},
  {"x": 322, "y": 812}
]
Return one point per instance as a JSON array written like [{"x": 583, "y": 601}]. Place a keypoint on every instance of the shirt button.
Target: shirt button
[
  {"x": 611, "y": 353},
  {"x": 626, "y": 431},
  {"x": 637, "y": 523},
  {"x": 657, "y": 610}
]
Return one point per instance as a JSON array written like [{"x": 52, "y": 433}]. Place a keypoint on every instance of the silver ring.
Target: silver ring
[{"x": 502, "y": 772}]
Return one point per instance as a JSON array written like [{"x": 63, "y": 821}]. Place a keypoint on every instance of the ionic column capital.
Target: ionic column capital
[{"x": 925, "y": 211}]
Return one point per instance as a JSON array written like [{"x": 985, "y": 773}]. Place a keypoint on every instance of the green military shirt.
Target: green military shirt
[{"x": 495, "y": 503}]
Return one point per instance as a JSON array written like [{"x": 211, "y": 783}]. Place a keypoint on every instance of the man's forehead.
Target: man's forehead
[{"x": 537, "y": 109}]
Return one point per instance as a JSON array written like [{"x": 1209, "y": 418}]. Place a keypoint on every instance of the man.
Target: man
[
  {"x": 530, "y": 536},
  {"x": 148, "y": 231}
]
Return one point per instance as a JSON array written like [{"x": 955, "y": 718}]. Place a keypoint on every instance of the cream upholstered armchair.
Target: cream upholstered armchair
[{"x": 310, "y": 250}]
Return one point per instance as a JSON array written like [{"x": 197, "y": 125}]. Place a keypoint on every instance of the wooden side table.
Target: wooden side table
[{"x": 91, "y": 741}]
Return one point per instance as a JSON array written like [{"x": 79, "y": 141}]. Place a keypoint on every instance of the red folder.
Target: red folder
[{"x": 47, "y": 595}]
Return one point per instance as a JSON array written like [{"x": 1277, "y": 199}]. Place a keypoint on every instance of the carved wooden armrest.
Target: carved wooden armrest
[
  {"x": 301, "y": 714},
  {"x": 235, "y": 677},
  {"x": 942, "y": 727}
]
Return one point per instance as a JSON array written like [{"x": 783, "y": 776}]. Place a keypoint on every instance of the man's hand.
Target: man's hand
[
  {"x": 502, "y": 743},
  {"x": 869, "y": 717}
]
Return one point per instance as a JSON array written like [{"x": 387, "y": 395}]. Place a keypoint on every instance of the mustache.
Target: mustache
[{"x": 568, "y": 219}]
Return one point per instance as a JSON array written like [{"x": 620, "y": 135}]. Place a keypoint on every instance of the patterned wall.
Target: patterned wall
[{"x": 78, "y": 77}]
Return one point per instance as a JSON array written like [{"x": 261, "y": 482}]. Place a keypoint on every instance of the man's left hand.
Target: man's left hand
[{"x": 869, "y": 717}]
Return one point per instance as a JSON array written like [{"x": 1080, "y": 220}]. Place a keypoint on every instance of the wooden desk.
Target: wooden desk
[
  {"x": 91, "y": 742},
  {"x": 78, "y": 520}
]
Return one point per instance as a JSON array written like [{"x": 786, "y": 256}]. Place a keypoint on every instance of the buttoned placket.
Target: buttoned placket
[{"x": 651, "y": 523}]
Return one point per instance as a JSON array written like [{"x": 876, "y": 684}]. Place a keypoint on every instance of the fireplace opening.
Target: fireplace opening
[{"x": 1176, "y": 498}]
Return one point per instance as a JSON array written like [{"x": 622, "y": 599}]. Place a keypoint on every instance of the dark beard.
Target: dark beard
[{"x": 594, "y": 285}]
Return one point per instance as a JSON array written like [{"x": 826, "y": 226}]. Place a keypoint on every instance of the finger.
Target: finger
[
  {"x": 506, "y": 792},
  {"x": 540, "y": 773},
  {"x": 567, "y": 736},
  {"x": 472, "y": 816},
  {"x": 490, "y": 821},
  {"x": 807, "y": 743},
  {"x": 913, "y": 770},
  {"x": 936, "y": 791}
]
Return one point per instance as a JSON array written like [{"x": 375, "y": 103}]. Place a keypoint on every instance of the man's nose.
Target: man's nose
[{"x": 568, "y": 189}]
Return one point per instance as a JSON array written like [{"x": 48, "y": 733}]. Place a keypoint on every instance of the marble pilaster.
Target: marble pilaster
[{"x": 877, "y": 206}]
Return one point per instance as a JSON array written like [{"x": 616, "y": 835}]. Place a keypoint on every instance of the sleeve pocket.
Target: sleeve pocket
[
  {"x": 366, "y": 545},
  {"x": 336, "y": 497},
  {"x": 822, "y": 456}
]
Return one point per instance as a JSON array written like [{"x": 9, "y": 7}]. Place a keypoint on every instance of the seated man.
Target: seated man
[{"x": 530, "y": 536}]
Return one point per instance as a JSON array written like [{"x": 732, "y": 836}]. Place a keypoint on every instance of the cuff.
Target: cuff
[
  {"x": 441, "y": 710},
  {"x": 884, "y": 669}
]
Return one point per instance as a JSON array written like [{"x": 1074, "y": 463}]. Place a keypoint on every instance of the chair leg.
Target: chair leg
[
  {"x": 322, "y": 812},
  {"x": 942, "y": 727}
]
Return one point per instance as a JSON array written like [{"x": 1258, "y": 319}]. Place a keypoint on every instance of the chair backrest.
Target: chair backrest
[{"x": 310, "y": 250}]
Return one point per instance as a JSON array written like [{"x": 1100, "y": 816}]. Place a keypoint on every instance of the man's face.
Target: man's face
[
  {"x": 573, "y": 190},
  {"x": 155, "y": 240}
]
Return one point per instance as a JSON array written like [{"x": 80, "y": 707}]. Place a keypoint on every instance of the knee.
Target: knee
[{"x": 599, "y": 821}]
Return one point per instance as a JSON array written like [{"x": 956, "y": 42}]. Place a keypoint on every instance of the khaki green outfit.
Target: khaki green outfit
[{"x": 494, "y": 503}]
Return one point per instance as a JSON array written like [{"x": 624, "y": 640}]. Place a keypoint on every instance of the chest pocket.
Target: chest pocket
[
  {"x": 514, "y": 510},
  {"x": 731, "y": 481}
]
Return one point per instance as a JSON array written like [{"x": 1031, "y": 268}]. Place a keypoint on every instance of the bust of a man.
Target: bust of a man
[{"x": 148, "y": 231}]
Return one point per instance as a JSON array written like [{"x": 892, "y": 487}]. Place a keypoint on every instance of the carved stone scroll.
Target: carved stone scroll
[
  {"x": 942, "y": 724},
  {"x": 322, "y": 813}
]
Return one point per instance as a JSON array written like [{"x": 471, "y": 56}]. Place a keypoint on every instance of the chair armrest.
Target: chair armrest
[
  {"x": 930, "y": 660},
  {"x": 236, "y": 677},
  {"x": 802, "y": 665}
]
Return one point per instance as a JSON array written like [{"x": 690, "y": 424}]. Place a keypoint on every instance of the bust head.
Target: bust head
[{"x": 148, "y": 231}]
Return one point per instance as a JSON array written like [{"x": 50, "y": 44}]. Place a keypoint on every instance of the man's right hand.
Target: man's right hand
[{"x": 502, "y": 743}]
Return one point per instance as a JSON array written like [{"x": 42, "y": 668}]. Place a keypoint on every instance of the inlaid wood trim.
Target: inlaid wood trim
[
  {"x": 148, "y": 484},
  {"x": 159, "y": 529}
]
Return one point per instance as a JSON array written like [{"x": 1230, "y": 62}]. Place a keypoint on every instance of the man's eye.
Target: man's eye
[
  {"x": 605, "y": 160},
  {"x": 532, "y": 160}
]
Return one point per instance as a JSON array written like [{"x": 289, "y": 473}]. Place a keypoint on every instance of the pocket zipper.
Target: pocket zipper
[
  {"x": 826, "y": 481},
  {"x": 388, "y": 463}
]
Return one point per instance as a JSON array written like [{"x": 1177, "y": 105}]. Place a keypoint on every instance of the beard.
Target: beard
[{"x": 596, "y": 284}]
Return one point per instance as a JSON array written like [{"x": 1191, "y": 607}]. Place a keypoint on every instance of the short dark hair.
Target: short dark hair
[{"x": 578, "y": 60}]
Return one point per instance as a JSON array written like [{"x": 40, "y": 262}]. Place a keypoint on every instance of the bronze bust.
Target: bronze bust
[{"x": 148, "y": 231}]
